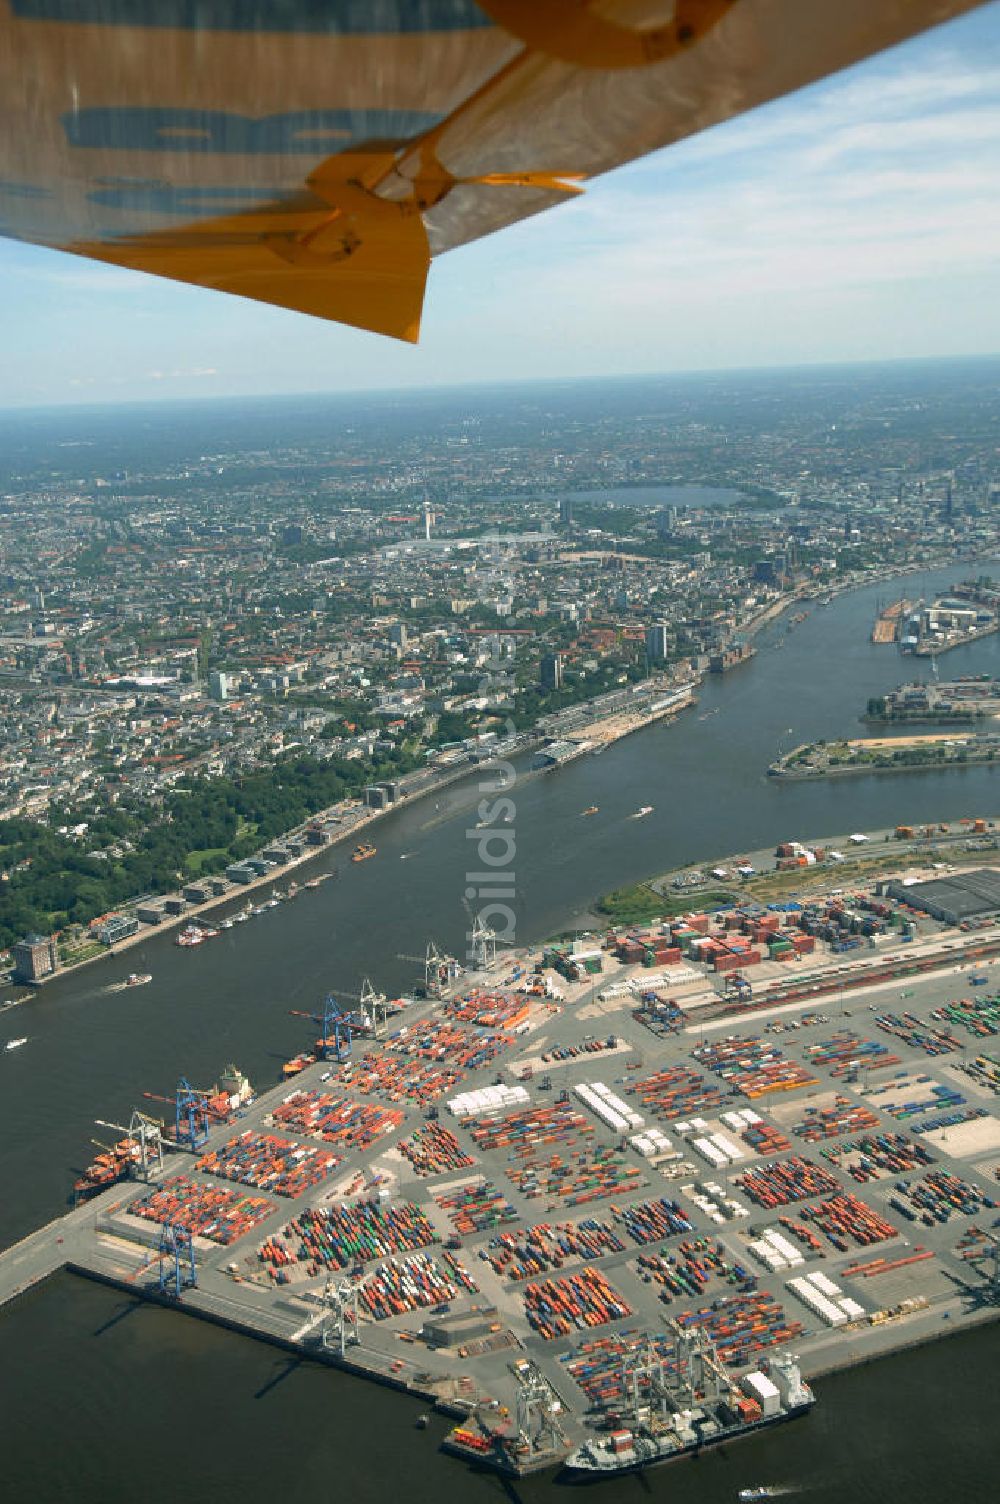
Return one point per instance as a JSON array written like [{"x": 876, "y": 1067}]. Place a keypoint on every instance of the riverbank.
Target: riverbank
[
  {"x": 857, "y": 858},
  {"x": 358, "y": 816},
  {"x": 903, "y": 754}
]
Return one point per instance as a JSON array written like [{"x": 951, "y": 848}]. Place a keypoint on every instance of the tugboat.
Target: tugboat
[
  {"x": 362, "y": 853},
  {"x": 297, "y": 1063}
]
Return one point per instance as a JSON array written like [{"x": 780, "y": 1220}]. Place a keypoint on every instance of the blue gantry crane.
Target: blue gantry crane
[
  {"x": 190, "y": 1115},
  {"x": 177, "y": 1266},
  {"x": 335, "y": 1040}
]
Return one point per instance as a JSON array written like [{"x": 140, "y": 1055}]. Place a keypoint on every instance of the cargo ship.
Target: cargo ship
[
  {"x": 114, "y": 1164},
  {"x": 362, "y": 853},
  {"x": 769, "y": 1400}
]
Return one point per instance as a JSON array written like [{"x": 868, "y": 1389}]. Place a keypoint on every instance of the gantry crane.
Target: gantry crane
[
  {"x": 484, "y": 945},
  {"x": 986, "y": 1256},
  {"x": 737, "y": 983},
  {"x": 335, "y": 1036},
  {"x": 178, "y": 1271},
  {"x": 192, "y": 1113},
  {"x": 538, "y": 1406},
  {"x": 371, "y": 1015},
  {"x": 340, "y": 1323},
  {"x": 439, "y": 968},
  {"x": 147, "y": 1135}
]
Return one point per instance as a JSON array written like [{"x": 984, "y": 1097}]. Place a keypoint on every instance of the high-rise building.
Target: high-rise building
[
  {"x": 657, "y": 642},
  {"x": 566, "y": 511},
  {"x": 218, "y": 685},
  {"x": 398, "y": 634},
  {"x": 35, "y": 957},
  {"x": 550, "y": 671}
]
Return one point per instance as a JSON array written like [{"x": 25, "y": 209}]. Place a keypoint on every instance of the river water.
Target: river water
[{"x": 92, "y": 1053}]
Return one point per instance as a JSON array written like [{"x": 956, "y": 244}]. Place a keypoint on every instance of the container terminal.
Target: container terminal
[{"x": 608, "y": 1202}]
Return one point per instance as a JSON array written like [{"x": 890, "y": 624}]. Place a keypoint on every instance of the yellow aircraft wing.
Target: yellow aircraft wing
[{"x": 317, "y": 153}]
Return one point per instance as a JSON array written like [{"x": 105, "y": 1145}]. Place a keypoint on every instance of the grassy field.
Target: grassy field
[
  {"x": 638, "y": 902},
  {"x": 196, "y": 861}
]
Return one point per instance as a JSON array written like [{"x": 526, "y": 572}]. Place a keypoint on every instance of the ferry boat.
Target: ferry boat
[
  {"x": 362, "y": 853},
  {"x": 15, "y": 1044}
]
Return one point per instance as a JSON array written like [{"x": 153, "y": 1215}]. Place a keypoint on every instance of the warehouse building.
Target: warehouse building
[{"x": 955, "y": 899}]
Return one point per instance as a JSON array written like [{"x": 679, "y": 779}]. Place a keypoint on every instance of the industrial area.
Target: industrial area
[{"x": 606, "y": 1202}]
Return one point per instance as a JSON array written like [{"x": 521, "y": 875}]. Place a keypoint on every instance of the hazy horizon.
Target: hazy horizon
[{"x": 484, "y": 384}]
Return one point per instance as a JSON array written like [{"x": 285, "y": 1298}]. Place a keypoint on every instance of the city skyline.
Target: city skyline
[{"x": 857, "y": 219}]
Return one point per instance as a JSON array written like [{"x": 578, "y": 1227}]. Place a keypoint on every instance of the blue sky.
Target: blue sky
[{"x": 858, "y": 219}]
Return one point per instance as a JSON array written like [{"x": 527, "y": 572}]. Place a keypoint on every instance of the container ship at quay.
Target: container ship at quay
[{"x": 761, "y": 1400}]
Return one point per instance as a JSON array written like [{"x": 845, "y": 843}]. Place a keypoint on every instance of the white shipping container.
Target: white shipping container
[{"x": 760, "y": 1387}]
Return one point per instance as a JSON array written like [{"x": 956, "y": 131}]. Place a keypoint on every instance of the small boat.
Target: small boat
[
  {"x": 423, "y": 1421},
  {"x": 362, "y": 853},
  {"x": 297, "y": 1063},
  {"x": 15, "y": 1044},
  {"x": 138, "y": 979},
  {"x": 591, "y": 810},
  {"x": 761, "y": 1491},
  {"x": 642, "y": 812},
  {"x": 226, "y": 924},
  {"x": 312, "y": 883}
]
